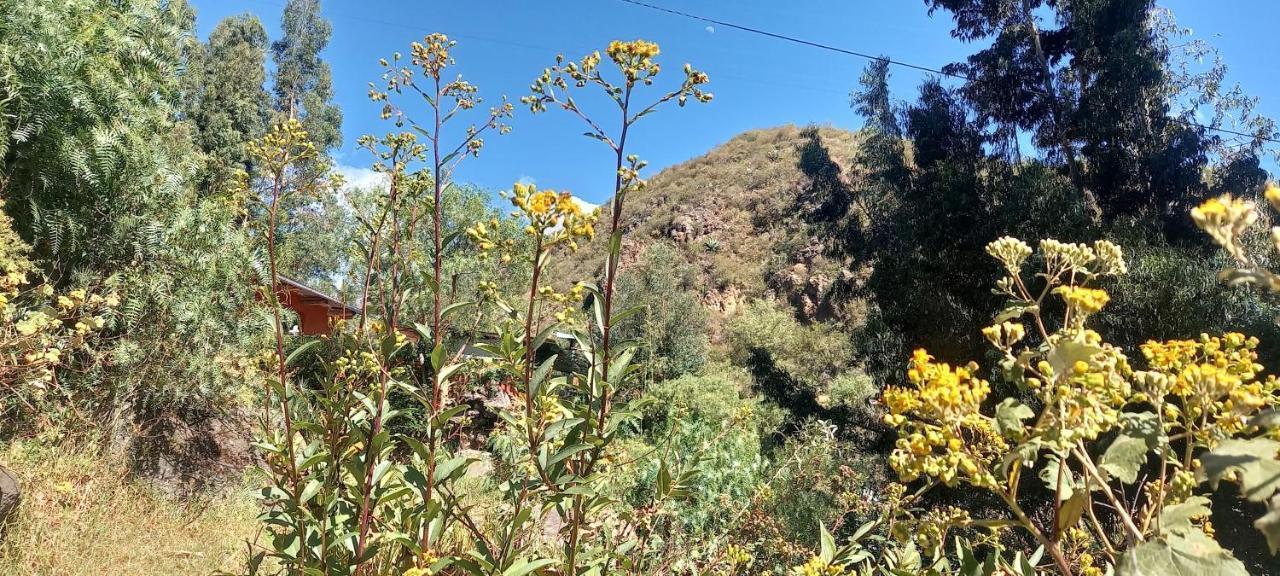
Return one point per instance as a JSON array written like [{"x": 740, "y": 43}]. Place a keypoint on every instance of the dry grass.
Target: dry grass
[{"x": 82, "y": 516}]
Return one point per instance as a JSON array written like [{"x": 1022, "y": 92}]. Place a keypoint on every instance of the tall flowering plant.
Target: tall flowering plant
[{"x": 1125, "y": 449}]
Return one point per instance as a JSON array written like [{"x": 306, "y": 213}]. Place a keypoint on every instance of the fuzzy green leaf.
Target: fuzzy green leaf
[
  {"x": 1194, "y": 554},
  {"x": 1255, "y": 462}
]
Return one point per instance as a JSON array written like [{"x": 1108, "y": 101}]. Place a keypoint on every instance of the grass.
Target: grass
[{"x": 82, "y": 516}]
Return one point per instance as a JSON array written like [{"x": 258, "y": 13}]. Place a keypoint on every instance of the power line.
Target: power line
[{"x": 847, "y": 52}]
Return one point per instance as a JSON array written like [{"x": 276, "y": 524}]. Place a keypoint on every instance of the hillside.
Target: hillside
[{"x": 750, "y": 216}]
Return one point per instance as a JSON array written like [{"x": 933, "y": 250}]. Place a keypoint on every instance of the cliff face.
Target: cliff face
[{"x": 755, "y": 216}]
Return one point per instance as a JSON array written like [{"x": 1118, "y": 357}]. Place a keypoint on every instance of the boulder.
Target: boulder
[{"x": 10, "y": 495}]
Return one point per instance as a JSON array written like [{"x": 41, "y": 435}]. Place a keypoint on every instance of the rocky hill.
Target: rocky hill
[{"x": 754, "y": 216}]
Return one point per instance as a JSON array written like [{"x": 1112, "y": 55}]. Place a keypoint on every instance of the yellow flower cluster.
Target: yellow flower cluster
[
  {"x": 1214, "y": 379},
  {"x": 1005, "y": 334},
  {"x": 635, "y": 58},
  {"x": 941, "y": 393},
  {"x": 568, "y": 301},
  {"x": 1083, "y": 301},
  {"x": 1272, "y": 194},
  {"x": 487, "y": 237},
  {"x": 1066, "y": 256},
  {"x": 432, "y": 54},
  {"x": 1011, "y": 252},
  {"x": 1086, "y": 397},
  {"x": 930, "y": 531},
  {"x": 942, "y": 433},
  {"x": 1225, "y": 218},
  {"x": 817, "y": 567},
  {"x": 736, "y": 555},
  {"x": 355, "y": 365},
  {"x": 47, "y": 332},
  {"x": 287, "y": 142},
  {"x": 558, "y": 217}
]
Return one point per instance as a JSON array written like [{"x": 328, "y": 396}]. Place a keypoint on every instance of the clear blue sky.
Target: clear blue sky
[{"x": 758, "y": 82}]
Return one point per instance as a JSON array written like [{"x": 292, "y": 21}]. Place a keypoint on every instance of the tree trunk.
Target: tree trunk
[{"x": 1051, "y": 92}]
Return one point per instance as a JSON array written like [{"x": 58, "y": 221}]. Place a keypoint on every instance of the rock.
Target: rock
[
  {"x": 726, "y": 301},
  {"x": 184, "y": 455},
  {"x": 483, "y": 466},
  {"x": 681, "y": 229},
  {"x": 10, "y": 495}
]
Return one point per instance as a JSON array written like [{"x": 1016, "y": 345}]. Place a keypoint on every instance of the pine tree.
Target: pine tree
[{"x": 229, "y": 103}]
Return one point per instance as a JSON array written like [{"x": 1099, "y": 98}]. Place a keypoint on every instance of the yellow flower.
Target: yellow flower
[
  {"x": 1224, "y": 219},
  {"x": 1083, "y": 300},
  {"x": 817, "y": 567},
  {"x": 941, "y": 432},
  {"x": 540, "y": 204},
  {"x": 1272, "y": 194}
]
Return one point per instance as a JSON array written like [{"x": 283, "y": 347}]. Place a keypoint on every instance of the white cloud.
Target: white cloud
[
  {"x": 526, "y": 180},
  {"x": 586, "y": 206},
  {"x": 710, "y": 29},
  {"x": 359, "y": 177}
]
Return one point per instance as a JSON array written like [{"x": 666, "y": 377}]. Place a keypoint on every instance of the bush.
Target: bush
[
  {"x": 672, "y": 327},
  {"x": 710, "y": 420}
]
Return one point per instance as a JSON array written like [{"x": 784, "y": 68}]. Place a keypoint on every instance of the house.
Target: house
[{"x": 316, "y": 310}]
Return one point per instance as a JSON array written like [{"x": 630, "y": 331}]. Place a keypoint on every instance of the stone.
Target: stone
[{"x": 10, "y": 495}]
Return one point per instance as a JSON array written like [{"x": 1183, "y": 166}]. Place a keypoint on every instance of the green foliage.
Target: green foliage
[
  {"x": 671, "y": 327},
  {"x": 100, "y": 174},
  {"x": 809, "y": 354},
  {"x": 303, "y": 86},
  {"x": 711, "y": 421},
  {"x": 345, "y": 494},
  {"x": 225, "y": 98}
]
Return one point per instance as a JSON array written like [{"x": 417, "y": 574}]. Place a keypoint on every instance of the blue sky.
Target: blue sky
[{"x": 758, "y": 82}]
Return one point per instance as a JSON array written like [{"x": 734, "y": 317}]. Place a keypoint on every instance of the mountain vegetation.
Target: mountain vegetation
[{"x": 1020, "y": 322}]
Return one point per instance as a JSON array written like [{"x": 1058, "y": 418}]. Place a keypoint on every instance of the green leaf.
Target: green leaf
[
  {"x": 313, "y": 486},
  {"x": 437, "y": 357},
  {"x": 1177, "y": 519},
  {"x": 1269, "y": 524},
  {"x": 1192, "y": 555},
  {"x": 524, "y": 567},
  {"x": 566, "y": 452},
  {"x": 1015, "y": 311},
  {"x": 1009, "y": 416},
  {"x": 1266, "y": 419},
  {"x": 1071, "y": 511},
  {"x": 1255, "y": 462},
  {"x": 827, "y": 543},
  {"x": 1064, "y": 356},
  {"x": 1049, "y": 475},
  {"x": 300, "y": 350},
  {"x": 1124, "y": 457},
  {"x": 456, "y": 306},
  {"x": 540, "y": 374}
]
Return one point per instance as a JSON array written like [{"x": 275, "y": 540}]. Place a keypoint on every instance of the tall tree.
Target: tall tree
[
  {"x": 1092, "y": 84},
  {"x": 303, "y": 87},
  {"x": 228, "y": 102}
]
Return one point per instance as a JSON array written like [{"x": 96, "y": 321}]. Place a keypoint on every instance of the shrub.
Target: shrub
[
  {"x": 710, "y": 420},
  {"x": 671, "y": 326},
  {"x": 1158, "y": 434}
]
